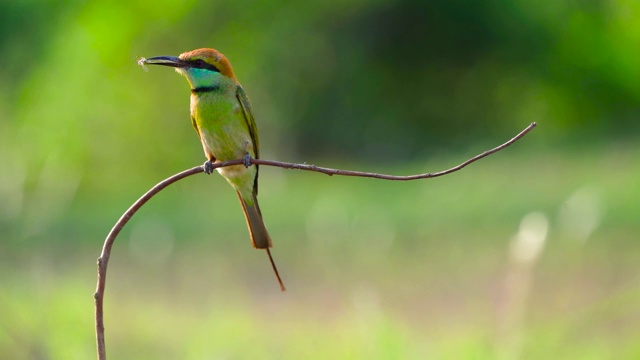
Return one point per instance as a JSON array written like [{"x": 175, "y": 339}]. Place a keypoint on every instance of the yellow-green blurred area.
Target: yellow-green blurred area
[{"x": 531, "y": 253}]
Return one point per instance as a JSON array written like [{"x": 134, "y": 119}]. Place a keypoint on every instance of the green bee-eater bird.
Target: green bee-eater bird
[{"x": 221, "y": 115}]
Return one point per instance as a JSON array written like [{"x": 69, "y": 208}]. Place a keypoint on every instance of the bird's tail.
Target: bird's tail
[{"x": 259, "y": 235}]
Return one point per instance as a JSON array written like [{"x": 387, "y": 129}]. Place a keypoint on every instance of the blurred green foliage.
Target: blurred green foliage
[{"x": 374, "y": 269}]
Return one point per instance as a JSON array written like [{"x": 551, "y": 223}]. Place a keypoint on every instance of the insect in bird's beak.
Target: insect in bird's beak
[
  {"x": 142, "y": 62},
  {"x": 171, "y": 61}
]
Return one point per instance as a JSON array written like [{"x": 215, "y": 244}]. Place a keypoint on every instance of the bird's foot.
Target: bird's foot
[
  {"x": 247, "y": 160},
  {"x": 208, "y": 167}
]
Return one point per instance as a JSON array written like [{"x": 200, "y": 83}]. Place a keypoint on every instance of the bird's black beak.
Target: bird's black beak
[{"x": 163, "y": 60}]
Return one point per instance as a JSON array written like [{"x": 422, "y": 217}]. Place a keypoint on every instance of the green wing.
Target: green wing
[
  {"x": 253, "y": 129},
  {"x": 248, "y": 117}
]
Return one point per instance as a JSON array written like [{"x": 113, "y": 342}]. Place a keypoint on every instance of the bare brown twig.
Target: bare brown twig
[
  {"x": 103, "y": 260},
  {"x": 332, "y": 172}
]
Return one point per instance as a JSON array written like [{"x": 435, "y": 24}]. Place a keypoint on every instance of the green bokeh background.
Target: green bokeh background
[{"x": 532, "y": 253}]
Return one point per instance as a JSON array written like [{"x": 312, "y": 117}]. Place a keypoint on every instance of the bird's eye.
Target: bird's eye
[{"x": 201, "y": 64}]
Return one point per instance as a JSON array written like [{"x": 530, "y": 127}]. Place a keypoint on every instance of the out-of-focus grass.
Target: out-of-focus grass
[{"x": 374, "y": 269}]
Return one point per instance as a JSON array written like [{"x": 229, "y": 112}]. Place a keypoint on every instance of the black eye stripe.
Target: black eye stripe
[{"x": 201, "y": 64}]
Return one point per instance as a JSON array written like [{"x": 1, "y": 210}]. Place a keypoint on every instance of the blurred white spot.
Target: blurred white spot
[
  {"x": 374, "y": 230},
  {"x": 528, "y": 243},
  {"x": 368, "y": 313},
  {"x": 366, "y": 301},
  {"x": 328, "y": 221},
  {"x": 151, "y": 241},
  {"x": 581, "y": 214},
  {"x": 54, "y": 192}
]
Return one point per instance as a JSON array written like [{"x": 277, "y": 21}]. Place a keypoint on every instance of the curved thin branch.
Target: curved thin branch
[
  {"x": 332, "y": 172},
  {"x": 103, "y": 260}
]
